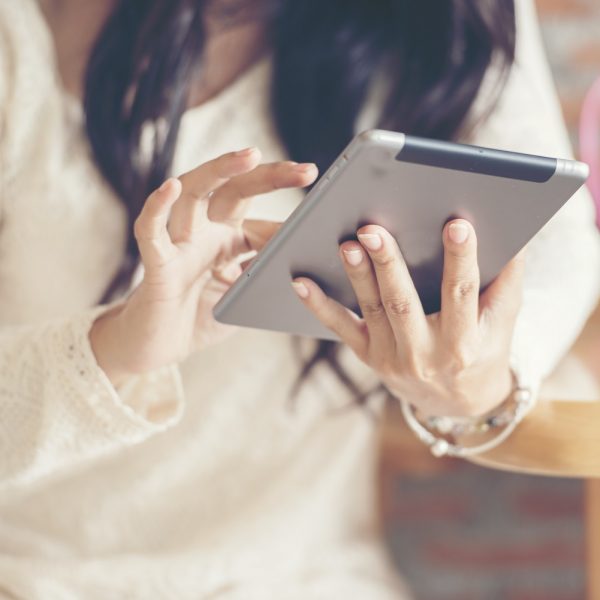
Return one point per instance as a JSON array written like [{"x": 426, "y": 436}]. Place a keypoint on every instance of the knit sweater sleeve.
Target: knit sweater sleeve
[
  {"x": 562, "y": 280},
  {"x": 57, "y": 407}
]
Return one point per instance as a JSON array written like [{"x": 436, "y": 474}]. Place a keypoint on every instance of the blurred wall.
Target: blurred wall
[{"x": 571, "y": 30}]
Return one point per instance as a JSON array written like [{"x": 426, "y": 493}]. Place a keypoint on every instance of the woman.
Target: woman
[{"x": 148, "y": 452}]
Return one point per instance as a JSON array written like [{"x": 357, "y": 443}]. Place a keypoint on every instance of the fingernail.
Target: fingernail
[
  {"x": 165, "y": 185},
  {"x": 372, "y": 241},
  {"x": 458, "y": 233},
  {"x": 305, "y": 167},
  {"x": 353, "y": 257},
  {"x": 300, "y": 289},
  {"x": 246, "y": 151}
]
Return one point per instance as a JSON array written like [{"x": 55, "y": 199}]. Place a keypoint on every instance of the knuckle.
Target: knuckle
[
  {"x": 272, "y": 184},
  {"x": 273, "y": 177},
  {"x": 463, "y": 289},
  {"x": 384, "y": 261},
  {"x": 398, "y": 306},
  {"x": 373, "y": 309},
  {"x": 460, "y": 359}
]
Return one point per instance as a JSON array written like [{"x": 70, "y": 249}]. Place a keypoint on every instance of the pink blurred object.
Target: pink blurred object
[{"x": 589, "y": 140}]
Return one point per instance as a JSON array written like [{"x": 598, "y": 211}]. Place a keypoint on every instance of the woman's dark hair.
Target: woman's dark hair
[{"x": 432, "y": 56}]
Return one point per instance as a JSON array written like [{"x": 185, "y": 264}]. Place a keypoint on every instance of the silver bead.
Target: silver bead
[
  {"x": 440, "y": 448},
  {"x": 444, "y": 425},
  {"x": 522, "y": 395}
]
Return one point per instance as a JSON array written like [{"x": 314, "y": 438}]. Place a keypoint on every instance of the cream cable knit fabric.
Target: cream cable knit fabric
[{"x": 232, "y": 493}]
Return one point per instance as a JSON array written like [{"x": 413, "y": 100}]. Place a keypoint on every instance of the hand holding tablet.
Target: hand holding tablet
[{"x": 412, "y": 188}]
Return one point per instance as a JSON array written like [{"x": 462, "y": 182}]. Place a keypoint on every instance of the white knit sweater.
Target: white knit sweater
[{"x": 201, "y": 480}]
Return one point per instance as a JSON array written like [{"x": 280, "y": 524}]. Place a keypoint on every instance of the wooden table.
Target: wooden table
[
  {"x": 562, "y": 435},
  {"x": 561, "y": 438}
]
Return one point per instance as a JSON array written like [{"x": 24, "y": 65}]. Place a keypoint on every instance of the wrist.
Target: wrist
[
  {"x": 474, "y": 400},
  {"x": 466, "y": 436},
  {"x": 498, "y": 389},
  {"x": 106, "y": 343}
]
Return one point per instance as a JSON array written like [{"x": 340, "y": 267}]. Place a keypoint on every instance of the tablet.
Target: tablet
[{"x": 412, "y": 187}]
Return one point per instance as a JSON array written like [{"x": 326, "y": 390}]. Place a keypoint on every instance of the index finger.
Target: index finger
[
  {"x": 229, "y": 202},
  {"x": 189, "y": 213},
  {"x": 396, "y": 288},
  {"x": 209, "y": 176}
]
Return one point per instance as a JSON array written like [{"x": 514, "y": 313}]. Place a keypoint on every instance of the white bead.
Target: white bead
[
  {"x": 440, "y": 448},
  {"x": 444, "y": 425}
]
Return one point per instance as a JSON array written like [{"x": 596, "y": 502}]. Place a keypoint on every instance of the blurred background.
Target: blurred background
[
  {"x": 571, "y": 30},
  {"x": 460, "y": 532}
]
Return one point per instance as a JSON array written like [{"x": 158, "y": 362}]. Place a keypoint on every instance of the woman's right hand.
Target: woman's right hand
[{"x": 189, "y": 229}]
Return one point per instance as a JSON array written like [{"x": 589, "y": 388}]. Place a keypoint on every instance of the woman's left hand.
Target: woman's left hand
[{"x": 452, "y": 363}]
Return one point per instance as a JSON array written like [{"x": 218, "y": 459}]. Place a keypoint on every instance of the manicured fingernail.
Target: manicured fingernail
[
  {"x": 353, "y": 257},
  {"x": 458, "y": 233},
  {"x": 165, "y": 185},
  {"x": 305, "y": 167},
  {"x": 371, "y": 241},
  {"x": 300, "y": 289},
  {"x": 246, "y": 151}
]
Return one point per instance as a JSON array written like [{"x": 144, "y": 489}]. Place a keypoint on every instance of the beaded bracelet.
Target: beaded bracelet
[{"x": 509, "y": 414}]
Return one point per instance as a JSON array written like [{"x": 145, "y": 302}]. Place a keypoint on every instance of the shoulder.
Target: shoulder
[
  {"x": 29, "y": 95},
  {"x": 25, "y": 52},
  {"x": 527, "y": 116}
]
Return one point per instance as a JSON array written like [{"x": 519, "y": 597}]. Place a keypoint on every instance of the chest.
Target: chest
[
  {"x": 62, "y": 229},
  {"x": 229, "y": 46}
]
